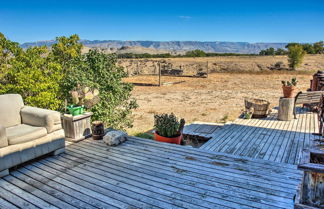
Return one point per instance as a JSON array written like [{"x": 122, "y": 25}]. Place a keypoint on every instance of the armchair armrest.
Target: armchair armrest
[
  {"x": 3, "y": 137},
  {"x": 34, "y": 116}
]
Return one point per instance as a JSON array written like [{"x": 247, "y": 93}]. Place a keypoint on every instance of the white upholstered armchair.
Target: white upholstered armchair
[{"x": 27, "y": 132}]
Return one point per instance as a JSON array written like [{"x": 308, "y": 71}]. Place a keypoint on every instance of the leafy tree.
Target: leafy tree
[
  {"x": 146, "y": 55},
  {"x": 168, "y": 55},
  {"x": 35, "y": 78},
  {"x": 44, "y": 77},
  {"x": 66, "y": 50},
  {"x": 319, "y": 47},
  {"x": 292, "y": 44},
  {"x": 98, "y": 70},
  {"x": 309, "y": 48},
  {"x": 269, "y": 51},
  {"x": 296, "y": 55},
  {"x": 196, "y": 53},
  {"x": 262, "y": 52},
  {"x": 280, "y": 51},
  {"x": 8, "y": 51},
  {"x": 316, "y": 48}
]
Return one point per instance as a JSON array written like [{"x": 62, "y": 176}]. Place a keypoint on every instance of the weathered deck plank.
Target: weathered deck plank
[
  {"x": 6, "y": 204},
  {"x": 146, "y": 174},
  {"x": 268, "y": 139},
  {"x": 36, "y": 196},
  {"x": 206, "y": 189},
  {"x": 20, "y": 191},
  {"x": 222, "y": 168},
  {"x": 249, "y": 147},
  {"x": 59, "y": 191}
]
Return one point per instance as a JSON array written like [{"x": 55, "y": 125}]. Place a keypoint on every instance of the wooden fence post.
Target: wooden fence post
[
  {"x": 159, "y": 74},
  {"x": 207, "y": 70}
]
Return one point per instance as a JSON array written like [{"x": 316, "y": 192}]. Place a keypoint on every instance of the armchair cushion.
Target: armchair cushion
[
  {"x": 24, "y": 133},
  {"x": 10, "y": 106},
  {"x": 3, "y": 137},
  {"x": 34, "y": 116}
]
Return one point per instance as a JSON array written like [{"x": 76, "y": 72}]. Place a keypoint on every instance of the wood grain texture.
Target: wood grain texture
[
  {"x": 268, "y": 138},
  {"x": 78, "y": 127},
  {"x": 286, "y": 109},
  {"x": 143, "y": 173}
]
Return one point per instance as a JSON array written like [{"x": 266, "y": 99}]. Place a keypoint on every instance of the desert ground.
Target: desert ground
[
  {"x": 218, "y": 98},
  {"x": 191, "y": 66}
]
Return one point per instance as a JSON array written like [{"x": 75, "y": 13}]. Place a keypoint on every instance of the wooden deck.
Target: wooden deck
[
  {"x": 268, "y": 139},
  {"x": 146, "y": 174}
]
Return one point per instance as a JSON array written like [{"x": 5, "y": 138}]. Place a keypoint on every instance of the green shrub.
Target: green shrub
[
  {"x": 35, "y": 78},
  {"x": 196, "y": 53},
  {"x": 45, "y": 77},
  {"x": 36, "y": 73},
  {"x": 66, "y": 50},
  {"x": 296, "y": 55},
  {"x": 98, "y": 70},
  {"x": 315, "y": 48}
]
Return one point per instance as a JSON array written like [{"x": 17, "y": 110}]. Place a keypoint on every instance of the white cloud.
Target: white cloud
[{"x": 185, "y": 17}]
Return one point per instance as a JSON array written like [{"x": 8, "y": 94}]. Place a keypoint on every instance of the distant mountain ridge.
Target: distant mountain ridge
[{"x": 175, "y": 46}]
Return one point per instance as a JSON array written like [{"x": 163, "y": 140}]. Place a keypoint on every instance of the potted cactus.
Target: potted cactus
[
  {"x": 289, "y": 88},
  {"x": 168, "y": 128}
]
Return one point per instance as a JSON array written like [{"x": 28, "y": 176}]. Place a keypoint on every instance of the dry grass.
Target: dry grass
[
  {"x": 218, "y": 98},
  {"x": 219, "y": 64}
]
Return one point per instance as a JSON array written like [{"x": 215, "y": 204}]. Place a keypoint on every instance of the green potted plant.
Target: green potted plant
[
  {"x": 289, "y": 88},
  {"x": 247, "y": 114},
  {"x": 168, "y": 128}
]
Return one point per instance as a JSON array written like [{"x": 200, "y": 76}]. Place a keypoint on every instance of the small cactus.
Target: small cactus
[
  {"x": 85, "y": 96},
  {"x": 167, "y": 125},
  {"x": 293, "y": 82}
]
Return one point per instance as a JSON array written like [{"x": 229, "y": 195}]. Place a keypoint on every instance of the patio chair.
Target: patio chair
[{"x": 27, "y": 132}]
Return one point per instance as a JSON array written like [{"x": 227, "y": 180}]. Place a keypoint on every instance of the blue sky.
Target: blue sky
[{"x": 199, "y": 20}]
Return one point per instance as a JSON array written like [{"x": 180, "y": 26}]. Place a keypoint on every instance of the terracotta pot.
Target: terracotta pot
[
  {"x": 173, "y": 140},
  {"x": 289, "y": 91}
]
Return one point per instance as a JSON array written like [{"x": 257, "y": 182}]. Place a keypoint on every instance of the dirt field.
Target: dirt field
[
  {"x": 191, "y": 66},
  {"x": 218, "y": 98}
]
